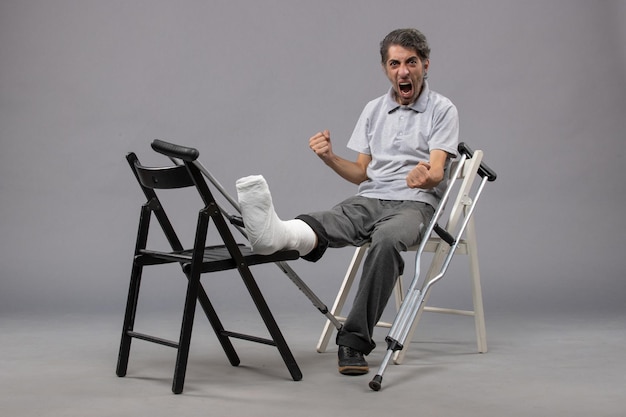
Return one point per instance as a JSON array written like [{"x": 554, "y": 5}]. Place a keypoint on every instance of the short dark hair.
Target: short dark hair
[{"x": 407, "y": 38}]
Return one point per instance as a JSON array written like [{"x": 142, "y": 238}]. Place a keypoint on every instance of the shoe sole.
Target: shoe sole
[{"x": 353, "y": 370}]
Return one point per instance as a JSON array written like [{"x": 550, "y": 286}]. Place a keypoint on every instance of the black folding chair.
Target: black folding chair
[{"x": 198, "y": 260}]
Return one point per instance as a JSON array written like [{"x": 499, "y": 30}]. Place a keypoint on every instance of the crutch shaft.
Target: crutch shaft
[
  {"x": 315, "y": 300},
  {"x": 403, "y": 318},
  {"x": 376, "y": 382}
]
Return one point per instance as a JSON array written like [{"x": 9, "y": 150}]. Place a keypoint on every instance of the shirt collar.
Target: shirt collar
[{"x": 419, "y": 105}]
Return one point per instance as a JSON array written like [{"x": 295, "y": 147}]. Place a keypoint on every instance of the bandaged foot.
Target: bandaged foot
[{"x": 266, "y": 232}]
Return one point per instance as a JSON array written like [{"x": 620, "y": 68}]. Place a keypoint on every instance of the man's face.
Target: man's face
[{"x": 406, "y": 72}]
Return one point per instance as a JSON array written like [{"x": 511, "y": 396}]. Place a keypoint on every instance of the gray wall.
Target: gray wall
[{"x": 540, "y": 86}]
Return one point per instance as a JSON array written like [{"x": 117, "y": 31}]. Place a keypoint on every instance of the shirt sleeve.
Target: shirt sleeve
[
  {"x": 359, "y": 141},
  {"x": 445, "y": 134}
]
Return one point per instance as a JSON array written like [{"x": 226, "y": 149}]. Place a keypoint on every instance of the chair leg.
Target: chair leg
[
  {"x": 478, "y": 310},
  {"x": 342, "y": 296},
  {"x": 184, "y": 343},
  {"x": 129, "y": 320},
  {"x": 477, "y": 294},
  {"x": 270, "y": 322},
  {"x": 133, "y": 293},
  {"x": 218, "y": 328}
]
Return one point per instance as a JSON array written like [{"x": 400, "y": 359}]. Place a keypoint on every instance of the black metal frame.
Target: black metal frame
[{"x": 196, "y": 261}]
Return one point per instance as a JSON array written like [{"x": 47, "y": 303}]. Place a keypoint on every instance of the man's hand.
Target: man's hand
[
  {"x": 429, "y": 174},
  {"x": 355, "y": 172},
  {"x": 320, "y": 144},
  {"x": 419, "y": 177}
]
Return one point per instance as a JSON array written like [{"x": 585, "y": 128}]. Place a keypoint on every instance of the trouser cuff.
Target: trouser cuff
[
  {"x": 355, "y": 342},
  {"x": 322, "y": 238}
]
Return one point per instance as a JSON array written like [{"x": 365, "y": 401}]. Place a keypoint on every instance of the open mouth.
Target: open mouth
[{"x": 406, "y": 88}]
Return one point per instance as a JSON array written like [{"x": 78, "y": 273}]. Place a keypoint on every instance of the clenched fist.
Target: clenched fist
[{"x": 423, "y": 177}]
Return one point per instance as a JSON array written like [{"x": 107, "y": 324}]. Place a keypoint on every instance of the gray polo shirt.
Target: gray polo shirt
[{"x": 398, "y": 137}]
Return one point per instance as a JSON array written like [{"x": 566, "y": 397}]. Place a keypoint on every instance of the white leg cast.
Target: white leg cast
[{"x": 266, "y": 232}]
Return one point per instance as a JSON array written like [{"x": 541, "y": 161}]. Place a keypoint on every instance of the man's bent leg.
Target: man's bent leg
[{"x": 382, "y": 266}]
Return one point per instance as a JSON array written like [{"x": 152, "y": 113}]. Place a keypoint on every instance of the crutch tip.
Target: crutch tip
[{"x": 375, "y": 384}]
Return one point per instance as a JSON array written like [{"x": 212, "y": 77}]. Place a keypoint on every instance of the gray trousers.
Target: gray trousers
[{"x": 391, "y": 227}]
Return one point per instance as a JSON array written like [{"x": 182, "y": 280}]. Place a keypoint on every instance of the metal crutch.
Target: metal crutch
[{"x": 415, "y": 296}]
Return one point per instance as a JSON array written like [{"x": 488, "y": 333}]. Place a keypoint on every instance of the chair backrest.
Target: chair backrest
[
  {"x": 150, "y": 179},
  {"x": 182, "y": 173},
  {"x": 173, "y": 176},
  {"x": 466, "y": 168},
  {"x": 467, "y": 175},
  {"x": 169, "y": 177},
  {"x": 459, "y": 211}
]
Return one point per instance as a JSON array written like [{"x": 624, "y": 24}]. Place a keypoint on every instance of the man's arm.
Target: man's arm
[
  {"x": 354, "y": 172},
  {"x": 428, "y": 174}
]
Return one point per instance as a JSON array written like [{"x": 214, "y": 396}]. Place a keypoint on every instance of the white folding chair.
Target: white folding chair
[{"x": 436, "y": 245}]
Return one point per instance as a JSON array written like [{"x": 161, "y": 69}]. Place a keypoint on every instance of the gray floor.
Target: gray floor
[{"x": 541, "y": 365}]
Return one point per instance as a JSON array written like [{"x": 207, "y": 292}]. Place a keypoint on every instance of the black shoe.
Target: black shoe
[{"x": 352, "y": 362}]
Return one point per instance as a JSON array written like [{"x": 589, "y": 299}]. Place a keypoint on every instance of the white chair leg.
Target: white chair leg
[
  {"x": 348, "y": 279},
  {"x": 342, "y": 296},
  {"x": 477, "y": 294}
]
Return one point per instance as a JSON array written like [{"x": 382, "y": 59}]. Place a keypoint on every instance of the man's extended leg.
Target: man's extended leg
[{"x": 266, "y": 232}]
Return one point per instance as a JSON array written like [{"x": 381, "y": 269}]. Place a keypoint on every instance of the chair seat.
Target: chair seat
[{"x": 215, "y": 258}]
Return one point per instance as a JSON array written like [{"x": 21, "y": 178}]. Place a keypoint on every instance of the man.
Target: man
[{"x": 403, "y": 140}]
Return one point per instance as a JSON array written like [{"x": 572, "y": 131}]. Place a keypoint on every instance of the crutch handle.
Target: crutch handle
[
  {"x": 483, "y": 170},
  {"x": 236, "y": 220},
  {"x": 175, "y": 151}
]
